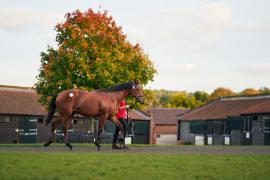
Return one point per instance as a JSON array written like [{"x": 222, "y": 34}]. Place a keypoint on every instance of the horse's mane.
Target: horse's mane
[{"x": 118, "y": 87}]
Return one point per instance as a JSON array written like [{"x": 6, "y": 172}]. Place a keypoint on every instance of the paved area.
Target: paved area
[{"x": 158, "y": 149}]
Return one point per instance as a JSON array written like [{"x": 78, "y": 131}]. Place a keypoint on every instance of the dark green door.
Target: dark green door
[
  {"x": 267, "y": 132},
  {"x": 141, "y": 132},
  {"x": 27, "y": 130}
]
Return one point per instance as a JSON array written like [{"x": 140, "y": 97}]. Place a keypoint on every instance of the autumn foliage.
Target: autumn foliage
[{"x": 92, "y": 53}]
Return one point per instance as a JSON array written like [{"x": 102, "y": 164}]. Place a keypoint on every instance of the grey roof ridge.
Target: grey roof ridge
[{"x": 245, "y": 97}]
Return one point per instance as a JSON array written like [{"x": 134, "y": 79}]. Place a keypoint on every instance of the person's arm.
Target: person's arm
[{"x": 124, "y": 107}]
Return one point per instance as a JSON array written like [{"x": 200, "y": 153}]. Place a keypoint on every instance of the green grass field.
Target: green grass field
[{"x": 71, "y": 165}]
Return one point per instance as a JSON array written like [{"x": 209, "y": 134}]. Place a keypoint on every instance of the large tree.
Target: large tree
[{"x": 92, "y": 53}]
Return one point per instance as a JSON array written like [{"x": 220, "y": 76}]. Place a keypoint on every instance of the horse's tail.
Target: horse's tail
[{"x": 51, "y": 110}]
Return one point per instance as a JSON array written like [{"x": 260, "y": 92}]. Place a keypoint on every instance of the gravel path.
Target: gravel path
[{"x": 157, "y": 150}]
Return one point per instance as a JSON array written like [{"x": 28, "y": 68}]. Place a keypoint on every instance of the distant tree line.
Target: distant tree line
[{"x": 182, "y": 99}]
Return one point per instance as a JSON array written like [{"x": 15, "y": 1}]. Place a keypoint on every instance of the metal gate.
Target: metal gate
[{"x": 27, "y": 130}]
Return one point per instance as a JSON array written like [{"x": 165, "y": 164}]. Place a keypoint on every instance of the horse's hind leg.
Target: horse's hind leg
[
  {"x": 102, "y": 120},
  {"x": 66, "y": 126},
  {"x": 53, "y": 128}
]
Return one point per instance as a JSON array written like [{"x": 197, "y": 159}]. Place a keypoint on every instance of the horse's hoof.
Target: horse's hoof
[
  {"x": 69, "y": 145},
  {"x": 48, "y": 143},
  {"x": 98, "y": 146}
]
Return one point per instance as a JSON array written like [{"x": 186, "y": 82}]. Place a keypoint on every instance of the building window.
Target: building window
[
  {"x": 5, "y": 119},
  {"x": 198, "y": 127}
]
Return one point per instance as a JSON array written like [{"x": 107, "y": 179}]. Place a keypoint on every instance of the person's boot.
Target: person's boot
[{"x": 114, "y": 146}]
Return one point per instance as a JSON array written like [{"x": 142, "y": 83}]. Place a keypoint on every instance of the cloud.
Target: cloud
[
  {"x": 185, "y": 28},
  {"x": 17, "y": 19},
  {"x": 217, "y": 14},
  {"x": 187, "y": 67},
  {"x": 255, "y": 69},
  {"x": 176, "y": 69}
]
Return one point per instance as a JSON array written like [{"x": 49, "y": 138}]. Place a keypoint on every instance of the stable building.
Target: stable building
[
  {"x": 164, "y": 124},
  {"x": 228, "y": 121},
  {"x": 22, "y": 116}
]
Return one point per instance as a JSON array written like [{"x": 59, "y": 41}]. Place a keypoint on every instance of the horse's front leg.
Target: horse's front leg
[{"x": 102, "y": 120}]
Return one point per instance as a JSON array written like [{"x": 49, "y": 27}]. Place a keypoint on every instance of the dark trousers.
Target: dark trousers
[{"x": 117, "y": 129}]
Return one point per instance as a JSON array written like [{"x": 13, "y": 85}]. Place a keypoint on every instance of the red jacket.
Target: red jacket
[{"x": 122, "y": 113}]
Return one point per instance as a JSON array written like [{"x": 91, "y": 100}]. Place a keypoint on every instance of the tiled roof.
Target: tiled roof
[
  {"x": 224, "y": 107},
  {"x": 137, "y": 115},
  {"x": 263, "y": 108},
  {"x": 166, "y": 115},
  {"x": 19, "y": 101}
]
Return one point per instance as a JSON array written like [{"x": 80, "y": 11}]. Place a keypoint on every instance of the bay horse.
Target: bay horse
[{"x": 102, "y": 103}]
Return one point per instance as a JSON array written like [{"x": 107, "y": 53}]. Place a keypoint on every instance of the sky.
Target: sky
[{"x": 194, "y": 44}]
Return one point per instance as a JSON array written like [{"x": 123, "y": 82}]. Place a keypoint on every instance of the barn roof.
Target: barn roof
[
  {"x": 263, "y": 108},
  {"x": 138, "y": 115},
  {"x": 24, "y": 101},
  {"x": 224, "y": 107},
  {"x": 166, "y": 116},
  {"x": 20, "y": 101}
]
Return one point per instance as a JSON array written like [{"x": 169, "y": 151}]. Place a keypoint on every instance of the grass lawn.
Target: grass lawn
[
  {"x": 74, "y": 144},
  {"x": 109, "y": 145},
  {"x": 72, "y": 165}
]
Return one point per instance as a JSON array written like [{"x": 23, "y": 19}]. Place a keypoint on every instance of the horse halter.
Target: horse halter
[{"x": 138, "y": 97}]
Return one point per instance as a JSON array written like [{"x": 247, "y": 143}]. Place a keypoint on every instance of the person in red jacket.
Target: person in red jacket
[{"x": 122, "y": 117}]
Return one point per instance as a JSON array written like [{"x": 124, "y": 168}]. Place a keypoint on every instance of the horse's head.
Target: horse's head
[{"x": 137, "y": 92}]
